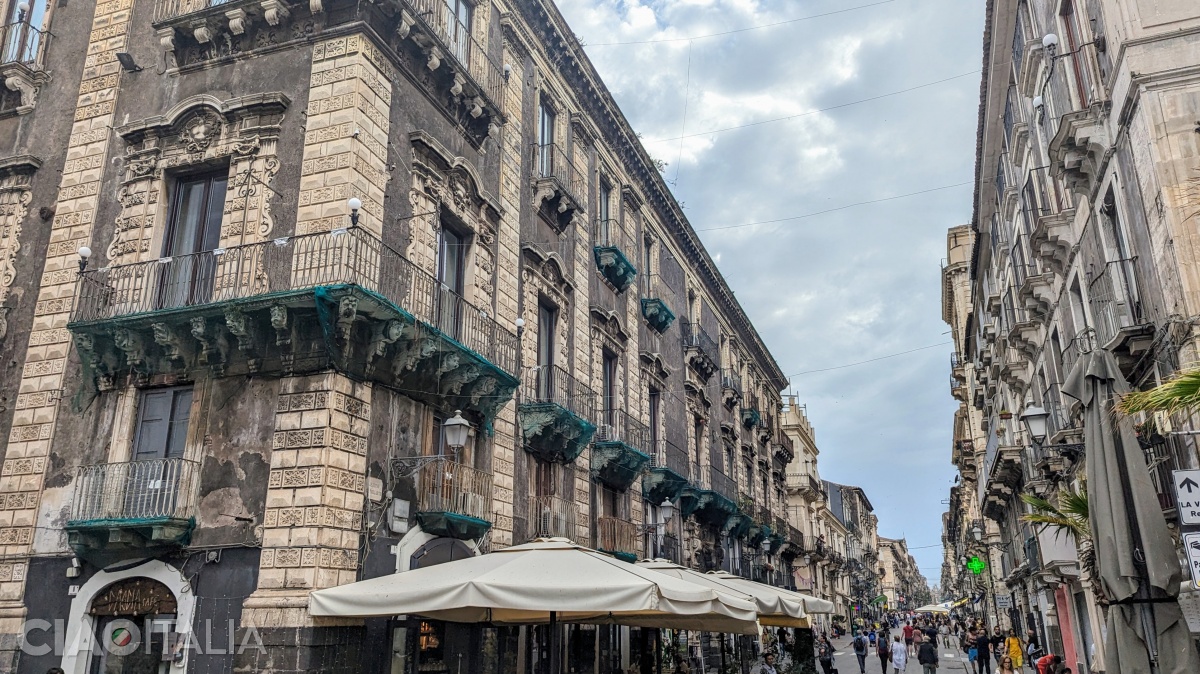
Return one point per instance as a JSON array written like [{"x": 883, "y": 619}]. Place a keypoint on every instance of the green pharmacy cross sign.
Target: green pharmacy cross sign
[{"x": 976, "y": 565}]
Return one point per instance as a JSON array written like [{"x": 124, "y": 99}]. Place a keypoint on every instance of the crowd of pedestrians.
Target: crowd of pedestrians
[{"x": 896, "y": 640}]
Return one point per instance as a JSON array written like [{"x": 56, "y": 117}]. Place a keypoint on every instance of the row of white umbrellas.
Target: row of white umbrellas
[{"x": 554, "y": 579}]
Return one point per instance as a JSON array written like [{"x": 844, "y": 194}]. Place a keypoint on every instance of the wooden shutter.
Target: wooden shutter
[
  {"x": 180, "y": 413},
  {"x": 154, "y": 416}
]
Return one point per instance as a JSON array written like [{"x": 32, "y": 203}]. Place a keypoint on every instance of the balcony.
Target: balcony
[
  {"x": 619, "y": 449},
  {"x": 805, "y": 484},
  {"x": 1036, "y": 290},
  {"x": 617, "y": 537},
  {"x": 668, "y": 474},
  {"x": 716, "y": 496},
  {"x": 657, "y": 314},
  {"x": 1052, "y": 238},
  {"x": 1083, "y": 343},
  {"x": 454, "y": 500},
  {"x": 557, "y": 414},
  {"x": 1078, "y": 149},
  {"x": 134, "y": 508},
  {"x": 1121, "y": 324},
  {"x": 1005, "y": 474},
  {"x": 1024, "y": 331},
  {"x": 700, "y": 350},
  {"x": 560, "y": 187},
  {"x": 554, "y": 517},
  {"x": 731, "y": 388},
  {"x": 958, "y": 389},
  {"x": 435, "y": 45},
  {"x": 21, "y": 66},
  {"x": 612, "y": 261},
  {"x": 295, "y": 305},
  {"x": 783, "y": 450},
  {"x": 751, "y": 417}
]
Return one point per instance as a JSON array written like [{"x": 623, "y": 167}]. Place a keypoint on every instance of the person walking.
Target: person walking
[
  {"x": 1014, "y": 648},
  {"x": 825, "y": 654},
  {"x": 860, "y": 652},
  {"x": 768, "y": 665},
  {"x": 908, "y": 637},
  {"x": 1006, "y": 666},
  {"x": 945, "y": 631},
  {"x": 884, "y": 651},
  {"x": 927, "y": 655},
  {"x": 983, "y": 652},
  {"x": 899, "y": 656}
]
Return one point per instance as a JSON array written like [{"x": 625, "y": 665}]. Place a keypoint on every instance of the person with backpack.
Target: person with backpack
[
  {"x": 860, "y": 652},
  {"x": 884, "y": 651},
  {"x": 825, "y": 654},
  {"x": 927, "y": 655}
]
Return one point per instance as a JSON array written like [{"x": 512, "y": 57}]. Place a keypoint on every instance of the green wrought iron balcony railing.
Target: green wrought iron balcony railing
[
  {"x": 454, "y": 500},
  {"x": 620, "y": 449}
]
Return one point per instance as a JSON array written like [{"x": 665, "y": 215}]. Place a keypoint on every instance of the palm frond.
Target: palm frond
[
  {"x": 1179, "y": 393},
  {"x": 1069, "y": 517}
]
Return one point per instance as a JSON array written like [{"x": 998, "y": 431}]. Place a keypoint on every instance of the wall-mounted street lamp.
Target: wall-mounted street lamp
[
  {"x": 666, "y": 511},
  {"x": 354, "y": 203},
  {"x": 84, "y": 254},
  {"x": 455, "y": 430},
  {"x": 22, "y": 11},
  {"x": 1035, "y": 420},
  {"x": 1050, "y": 44}
]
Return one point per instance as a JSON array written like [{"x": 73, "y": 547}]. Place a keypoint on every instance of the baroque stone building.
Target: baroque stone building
[
  {"x": 1082, "y": 238},
  {"x": 259, "y": 255}
]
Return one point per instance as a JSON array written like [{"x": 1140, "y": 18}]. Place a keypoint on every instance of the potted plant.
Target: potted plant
[{"x": 1005, "y": 415}]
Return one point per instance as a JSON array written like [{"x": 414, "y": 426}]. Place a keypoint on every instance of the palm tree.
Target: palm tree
[
  {"x": 1070, "y": 517},
  {"x": 1178, "y": 394}
]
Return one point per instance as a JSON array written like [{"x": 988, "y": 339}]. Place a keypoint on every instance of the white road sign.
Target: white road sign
[
  {"x": 1191, "y": 543},
  {"x": 1187, "y": 494},
  {"x": 1004, "y": 601}
]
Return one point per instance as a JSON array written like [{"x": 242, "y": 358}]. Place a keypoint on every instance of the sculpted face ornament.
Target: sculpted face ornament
[{"x": 200, "y": 132}]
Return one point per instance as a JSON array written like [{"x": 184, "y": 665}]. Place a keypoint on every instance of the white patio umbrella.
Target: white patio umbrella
[
  {"x": 774, "y": 610},
  {"x": 546, "y": 580},
  {"x": 811, "y": 604},
  {"x": 932, "y": 608}
]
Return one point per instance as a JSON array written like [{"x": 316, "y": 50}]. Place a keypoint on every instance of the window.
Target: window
[
  {"x": 546, "y": 118},
  {"x": 162, "y": 423},
  {"x": 458, "y": 29},
  {"x": 608, "y": 383},
  {"x": 654, "y": 397},
  {"x": 604, "y": 215},
  {"x": 748, "y": 467},
  {"x": 547, "y": 320},
  {"x": 451, "y": 251},
  {"x": 193, "y": 226},
  {"x": 698, "y": 433},
  {"x": 23, "y": 41},
  {"x": 1074, "y": 39},
  {"x": 544, "y": 479}
]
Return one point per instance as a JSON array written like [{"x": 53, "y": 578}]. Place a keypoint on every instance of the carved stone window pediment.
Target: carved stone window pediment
[{"x": 16, "y": 176}]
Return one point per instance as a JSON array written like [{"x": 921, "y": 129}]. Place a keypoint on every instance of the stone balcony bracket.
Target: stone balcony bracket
[
  {"x": 27, "y": 82},
  {"x": 1053, "y": 241},
  {"x": 1037, "y": 293},
  {"x": 1029, "y": 78},
  {"x": 554, "y": 433},
  {"x": 1081, "y": 149},
  {"x": 1026, "y": 337},
  {"x": 657, "y": 314},
  {"x": 615, "y": 267}
]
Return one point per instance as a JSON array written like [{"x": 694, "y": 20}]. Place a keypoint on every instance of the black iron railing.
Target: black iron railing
[
  {"x": 1084, "y": 342},
  {"x": 696, "y": 337},
  {"x": 722, "y": 484},
  {"x": 1058, "y": 420},
  {"x": 670, "y": 456},
  {"x": 343, "y": 256},
  {"x": 135, "y": 491},
  {"x": 731, "y": 380},
  {"x": 614, "y": 425},
  {"x": 23, "y": 44},
  {"x": 552, "y": 384},
  {"x": 1113, "y": 293},
  {"x": 554, "y": 162}
]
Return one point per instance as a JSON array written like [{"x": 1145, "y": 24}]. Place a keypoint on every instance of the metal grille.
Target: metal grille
[
  {"x": 616, "y": 535},
  {"x": 451, "y": 487},
  {"x": 554, "y": 162},
  {"x": 23, "y": 44},
  {"x": 551, "y": 516},
  {"x": 552, "y": 384}
]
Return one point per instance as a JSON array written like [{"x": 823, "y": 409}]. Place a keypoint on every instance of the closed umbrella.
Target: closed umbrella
[
  {"x": 774, "y": 610},
  {"x": 542, "y": 581},
  {"x": 1135, "y": 554}
]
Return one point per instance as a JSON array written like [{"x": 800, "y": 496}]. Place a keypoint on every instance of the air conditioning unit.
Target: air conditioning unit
[
  {"x": 607, "y": 433},
  {"x": 545, "y": 520}
]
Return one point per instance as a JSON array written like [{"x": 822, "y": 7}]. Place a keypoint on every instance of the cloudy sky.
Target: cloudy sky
[{"x": 844, "y": 286}]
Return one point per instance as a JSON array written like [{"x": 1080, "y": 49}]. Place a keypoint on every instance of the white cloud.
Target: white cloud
[{"x": 856, "y": 283}]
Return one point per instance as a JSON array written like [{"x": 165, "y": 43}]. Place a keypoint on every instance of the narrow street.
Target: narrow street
[{"x": 951, "y": 660}]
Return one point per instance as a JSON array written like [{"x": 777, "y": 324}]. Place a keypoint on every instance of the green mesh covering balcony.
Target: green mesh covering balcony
[
  {"x": 668, "y": 473},
  {"x": 714, "y": 510},
  {"x": 738, "y": 525},
  {"x": 556, "y": 414},
  {"x": 777, "y": 541},
  {"x": 132, "y": 508},
  {"x": 751, "y": 417},
  {"x": 454, "y": 500},
  {"x": 657, "y": 314},
  {"x": 296, "y": 305},
  {"x": 689, "y": 500},
  {"x": 618, "y": 456},
  {"x": 611, "y": 260}
]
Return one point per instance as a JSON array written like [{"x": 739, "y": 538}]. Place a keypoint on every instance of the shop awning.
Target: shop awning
[
  {"x": 811, "y": 604},
  {"x": 774, "y": 610}
]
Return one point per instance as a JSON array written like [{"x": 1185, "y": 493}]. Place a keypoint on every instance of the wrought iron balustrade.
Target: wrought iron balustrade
[
  {"x": 614, "y": 534},
  {"x": 554, "y": 162},
  {"x": 135, "y": 491},
  {"x": 696, "y": 337},
  {"x": 731, "y": 380},
  {"x": 454, "y": 488},
  {"x": 670, "y": 456},
  {"x": 24, "y": 44},
  {"x": 553, "y": 384},
  {"x": 1082, "y": 343},
  {"x": 722, "y": 484},
  {"x": 551, "y": 516},
  {"x": 1113, "y": 293},
  {"x": 615, "y": 425}
]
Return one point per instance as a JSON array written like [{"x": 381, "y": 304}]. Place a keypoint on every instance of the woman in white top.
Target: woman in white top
[{"x": 899, "y": 657}]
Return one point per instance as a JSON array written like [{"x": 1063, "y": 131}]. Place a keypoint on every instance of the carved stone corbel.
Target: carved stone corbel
[
  {"x": 274, "y": 12},
  {"x": 130, "y": 343},
  {"x": 347, "y": 312},
  {"x": 211, "y": 353},
  {"x": 315, "y": 6},
  {"x": 19, "y": 81},
  {"x": 476, "y": 107},
  {"x": 202, "y": 30},
  {"x": 239, "y": 326},
  {"x": 385, "y": 334},
  {"x": 456, "y": 88},
  {"x": 237, "y": 21},
  {"x": 406, "y": 24},
  {"x": 283, "y": 336},
  {"x": 166, "y": 41},
  {"x": 173, "y": 346},
  {"x": 435, "y": 58}
]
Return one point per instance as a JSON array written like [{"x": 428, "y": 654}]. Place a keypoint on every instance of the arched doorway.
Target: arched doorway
[{"x": 134, "y": 623}]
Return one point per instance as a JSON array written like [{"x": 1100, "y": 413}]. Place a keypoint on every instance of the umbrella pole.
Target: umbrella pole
[
  {"x": 555, "y": 661},
  {"x": 1144, "y": 607},
  {"x": 658, "y": 651}
]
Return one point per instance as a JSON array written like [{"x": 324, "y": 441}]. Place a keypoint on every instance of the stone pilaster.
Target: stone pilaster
[{"x": 23, "y": 474}]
